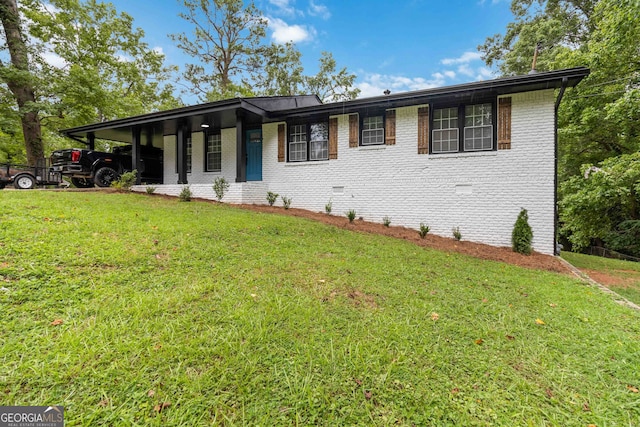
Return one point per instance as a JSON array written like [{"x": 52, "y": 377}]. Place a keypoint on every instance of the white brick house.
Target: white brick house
[{"x": 468, "y": 156}]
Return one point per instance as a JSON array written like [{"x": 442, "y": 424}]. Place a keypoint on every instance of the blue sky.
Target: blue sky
[{"x": 397, "y": 45}]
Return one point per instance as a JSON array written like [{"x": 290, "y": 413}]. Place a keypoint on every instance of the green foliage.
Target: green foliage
[
  {"x": 386, "y": 221},
  {"x": 272, "y": 197},
  {"x": 257, "y": 319},
  {"x": 351, "y": 214},
  {"x": 185, "y": 195},
  {"x": 286, "y": 202},
  {"x": 604, "y": 204},
  {"x": 424, "y": 230},
  {"x": 328, "y": 207},
  {"x": 456, "y": 233},
  {"x": 522, "y": 235},
  {"x": 150, "y": 189},
  {"x": 220, "y": 187},
  {"x": 126, "y": 181}
]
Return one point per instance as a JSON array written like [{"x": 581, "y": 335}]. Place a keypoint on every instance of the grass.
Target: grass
[
  {"x": 240, "y": 318},
  {"x": 624, "y": 276}
]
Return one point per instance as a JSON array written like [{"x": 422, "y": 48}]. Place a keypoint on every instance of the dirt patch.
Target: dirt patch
[
  {"x": 478, "y": 250},
  {"x": 631, "y": 279}
]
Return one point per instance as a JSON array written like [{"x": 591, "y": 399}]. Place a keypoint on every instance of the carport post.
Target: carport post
[
  {"x": 91, "y": 141},
  {"x": 182, "y": 135},
  {"x": 241, "y": 149},
  {"x": 136, "y": 161}
]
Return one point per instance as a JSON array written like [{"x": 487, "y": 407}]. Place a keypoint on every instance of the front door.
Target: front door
[{"x": 254, "y": 155}]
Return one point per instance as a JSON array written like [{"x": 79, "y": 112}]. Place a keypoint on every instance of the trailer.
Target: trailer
[{"x": 25, "y": 177}]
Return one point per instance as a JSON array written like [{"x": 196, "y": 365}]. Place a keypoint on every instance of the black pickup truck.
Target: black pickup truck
[{"x": 89, "y": 167}]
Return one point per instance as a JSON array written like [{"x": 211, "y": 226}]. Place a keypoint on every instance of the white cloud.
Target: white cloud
[
  {"x": 465, "y": 58},
  {"x": 159, "y": 50},
  {"x": 284, "y": 7},
  {"x": 376, "y": 84},
  {"x": 316, "y": 9},
  {"x": 483, "y": 73},
  {"x": 54, "y": 59},
  {"x": 283, "y": 32},
  {"x": 450, "y": 74}
]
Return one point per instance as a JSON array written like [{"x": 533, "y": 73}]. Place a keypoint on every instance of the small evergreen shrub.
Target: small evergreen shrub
[
  {"x": 185, "y": 194},
  {"x": 272, "y": 197},
  {"x": 286, "y": 202},
  {"x": 126, "y": 181},
  {"x": 351, "y": 214},
  {"x": 386, "y": 221},
  {"x": 456, "y": 233},
  {"x": 150, "y": 189},
  {"x": 424, "y": 230},
  {"x": 328, "y": 206},
  {"x": 522, "y": 234},
  {"x": 220, "y": 186}
]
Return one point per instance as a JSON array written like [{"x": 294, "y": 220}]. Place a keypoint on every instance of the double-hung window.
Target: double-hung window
[
  {"x": 373, "y": 130},
  {"x": 213, "y": 151},
  {"x": 308, "y": 141},
  {"x": 463, "y": 128},
  {"x": 189, "y": 151}
]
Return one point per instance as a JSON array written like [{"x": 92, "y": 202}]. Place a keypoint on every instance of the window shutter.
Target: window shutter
[
  {"x": 390, "y": 128},
  {"x": 423, "y": 130},
  {"x": 504, "y": 123},
  {"x": 281, "y": 137},
  {"x": 333, "y": 138},
  {"x": 353, "y": 131}
]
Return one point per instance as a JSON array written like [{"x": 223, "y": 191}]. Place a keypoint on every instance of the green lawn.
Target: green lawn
[
  {"x": 620, "y": 276},
  {"x": 113, "y": 304}
]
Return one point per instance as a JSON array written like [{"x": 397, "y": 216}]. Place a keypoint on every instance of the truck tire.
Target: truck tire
[
  {"x": 24, "y": 182},
  {"x": 82, "y": 182},
  {"x": 105, "y": 176}
]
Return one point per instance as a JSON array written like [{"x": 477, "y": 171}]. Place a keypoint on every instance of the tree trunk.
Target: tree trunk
[{"x": 18, "y": 79}]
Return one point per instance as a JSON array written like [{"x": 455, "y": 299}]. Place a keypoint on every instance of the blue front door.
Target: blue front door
[{"x": 254, "y": 155}]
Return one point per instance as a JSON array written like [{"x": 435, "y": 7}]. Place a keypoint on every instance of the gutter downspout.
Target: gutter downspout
[{"x": 563, "y": 86}]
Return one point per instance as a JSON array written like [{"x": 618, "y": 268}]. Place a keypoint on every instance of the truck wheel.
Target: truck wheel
[
  {"x": 24, "y": 182},
  {"x": 82, "y": 182},
  {"x": 105, "y": 176}
]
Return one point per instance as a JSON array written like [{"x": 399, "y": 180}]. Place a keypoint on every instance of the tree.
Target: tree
[
  {"x": 330, "y": 85},
  {"x": 277, "y": 70},
  {"x": 225, "y": 38},
  {"x": 603, "y": 205},
  {"x": 20, "y": 81}
]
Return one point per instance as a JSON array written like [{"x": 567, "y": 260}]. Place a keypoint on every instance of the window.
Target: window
[
  {"x": 213, "y": 151},
  {"x": 445, "y": 130},
  {"x": 373, "y": 130},
  {"x": 189, "y": 151},
  {"x": 309, "y": 141},
  {"x": 476, "y": 129}
]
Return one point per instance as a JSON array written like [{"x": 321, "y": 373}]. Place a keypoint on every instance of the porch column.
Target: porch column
[
  {"x": 181, "y": 136},
  {"x": 241, "y": 149},
  {"x": 136, "y": 161},
  {"x": 91, "y": 141}
]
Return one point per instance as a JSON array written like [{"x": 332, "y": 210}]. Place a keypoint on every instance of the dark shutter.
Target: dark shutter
[
  {"x": 281, "y": 138},
  {"x": 333, "y": 138},
  {"x": 504, "y": 123},
  {"x": 353, "y": 131},
  {"x": 390, "y": 128},
  {"x": 423, "y": 130}
]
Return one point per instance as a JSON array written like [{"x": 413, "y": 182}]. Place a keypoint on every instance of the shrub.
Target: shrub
[
  {"x": 272, "y": 197},
  {"x": 328, "y": 206},
  {"x": 126, "y": 181},
  {"x": 456, "y": 233},
  {"x": 351, "y": 214},
  {"x": 424, "y": 229},
  {"x": 522, "y": 234},
  {"x": 386, "y": 221},
  {"x": 286, "y": 202},
  {"x": 185, "y": 194},
  {"x": 220, "y": 186},
  {"x": 150, "y": 189}
]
